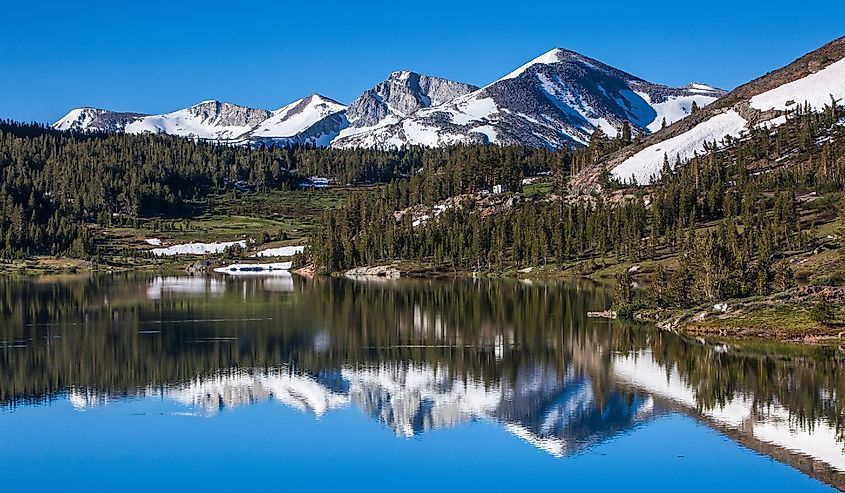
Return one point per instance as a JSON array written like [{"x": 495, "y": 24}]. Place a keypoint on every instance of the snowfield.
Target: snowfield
[
  {"x": 196, "y": 248},
  {"x": 649, "y": 162},
  {"x": 286, "y": 251},
  {"x": 815, "y": 89}
]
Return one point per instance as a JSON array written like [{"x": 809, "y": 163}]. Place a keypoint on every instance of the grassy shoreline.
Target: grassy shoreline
[{"x": 781, "y": 317}]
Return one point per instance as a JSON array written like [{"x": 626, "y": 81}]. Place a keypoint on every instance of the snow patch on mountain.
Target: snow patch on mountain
[
  {"x": 815, "y": 89},
  {"x": 79, "y": 117},
  {"x": 293, "y": 120},
  {"x": 289, "y": 120},
  {"x": 676, "y": 107},
  {"x": 552, "y": 56},
  {"x": 647, "y": 163}
]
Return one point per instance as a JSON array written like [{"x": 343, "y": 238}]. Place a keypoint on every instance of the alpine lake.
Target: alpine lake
[{"x": 140, "y": 382}]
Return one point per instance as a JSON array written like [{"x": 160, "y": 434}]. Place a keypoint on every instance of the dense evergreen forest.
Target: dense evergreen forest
[
  {"x": 731, "y": 212},
  {"x": 55, "y": 184}
]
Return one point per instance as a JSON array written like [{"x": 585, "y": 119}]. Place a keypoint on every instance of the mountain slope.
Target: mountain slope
[
  {"x": 555, "y": 100},
  {"x": 814, "y": 78},
  {"x": 95, "y": 119},
  {"x": 314, "y": 120},
  {"x": 208, "y": 120}
]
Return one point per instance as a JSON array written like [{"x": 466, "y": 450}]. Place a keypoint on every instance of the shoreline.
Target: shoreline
[{"x": 781, "y": 317}]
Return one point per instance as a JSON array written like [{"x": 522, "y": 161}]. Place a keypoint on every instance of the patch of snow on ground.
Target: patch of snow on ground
[
  {"x": 153, "y": 241},
  {"x": 196, "y": 248},
  {"x": 285, "y": 251},
  {"x": 471, "y": 110},
  {"x": 675, "y": 108},
  {"x": 815, "y": 89},
  {"x": 349, "y": 131},
  {"x": 649, "y": 161},
  {"x": 416, "y": 133},
  {"x": 489, "y": 131}
]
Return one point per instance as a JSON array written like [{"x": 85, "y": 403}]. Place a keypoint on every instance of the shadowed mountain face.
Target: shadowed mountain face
[{"x": 415, "y": 356}]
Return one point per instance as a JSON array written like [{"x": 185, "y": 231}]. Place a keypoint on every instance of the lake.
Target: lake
[{"x": 158, "y": 383}]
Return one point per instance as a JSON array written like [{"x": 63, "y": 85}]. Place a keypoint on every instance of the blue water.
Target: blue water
[
  {"x": 287, "y": 386},
  {"x": 147, "y": 445}
]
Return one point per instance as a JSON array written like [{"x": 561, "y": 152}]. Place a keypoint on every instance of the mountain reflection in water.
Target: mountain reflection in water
[{"x": 413, "y": 355}]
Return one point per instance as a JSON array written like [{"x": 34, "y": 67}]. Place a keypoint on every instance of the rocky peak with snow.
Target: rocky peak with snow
[
  {"x": 556, "y": 99},
  {"x": 313, "y": 120},
  {"x": 216, "y": 113},
  {"x": 95, "y": 119},
  {"x": 401, "y": 94}
]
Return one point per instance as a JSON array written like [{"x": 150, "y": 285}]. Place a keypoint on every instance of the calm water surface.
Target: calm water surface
[{"x": 149, "y": 383}]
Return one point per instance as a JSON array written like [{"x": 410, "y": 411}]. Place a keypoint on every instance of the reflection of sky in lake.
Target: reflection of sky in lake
[{"x": 152, "y": 445}]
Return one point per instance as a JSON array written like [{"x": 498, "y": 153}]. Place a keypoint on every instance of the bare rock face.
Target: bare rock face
[
  {"x": 402, "y": 94},
  {"x": 375, "y": 272},
  {"x": 228, "y": 114}
]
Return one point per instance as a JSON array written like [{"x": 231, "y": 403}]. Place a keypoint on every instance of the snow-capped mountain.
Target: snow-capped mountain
[
  {"x": 314, "y": 119},
  {"x": 208, "y": 120},
  {"x": 95, "y": 119},
  {"x": 557, "y": 99},
  {"x": 814, "y": 78}
]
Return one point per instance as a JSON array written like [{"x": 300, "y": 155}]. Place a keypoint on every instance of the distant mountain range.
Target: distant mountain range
[{"x": 557, "y": 99}]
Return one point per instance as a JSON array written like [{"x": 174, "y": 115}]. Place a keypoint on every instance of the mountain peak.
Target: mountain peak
[
  {"x": 400, "y": 95},
  {"x": 401, "y": 75},
  {"x": 555, "y": 55}
]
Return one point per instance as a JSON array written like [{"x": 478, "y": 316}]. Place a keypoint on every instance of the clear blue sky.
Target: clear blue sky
[{"x": 157, "y": 56}]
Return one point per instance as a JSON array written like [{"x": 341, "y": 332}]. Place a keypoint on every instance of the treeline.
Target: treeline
[
  {"x": 745, "y": 195},
  {"x": 54, "y": 183}
]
